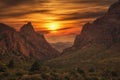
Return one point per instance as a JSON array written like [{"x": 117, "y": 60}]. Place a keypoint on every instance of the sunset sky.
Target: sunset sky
[{"x": 58, "y": 20}]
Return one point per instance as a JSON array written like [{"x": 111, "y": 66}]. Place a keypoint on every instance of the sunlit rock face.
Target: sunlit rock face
[
  {"x": 26, "y": 43},
  {"x": 104, "y": 31},
  {"x": 39, "y": 46},
  {"x": 11, "y": 41}
]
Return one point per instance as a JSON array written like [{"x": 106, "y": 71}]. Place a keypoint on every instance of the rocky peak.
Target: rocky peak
[
  {"x": 27, "y": 28},
  {"x": 114, "y": 8},
  {"x": 4, "y": 27}
]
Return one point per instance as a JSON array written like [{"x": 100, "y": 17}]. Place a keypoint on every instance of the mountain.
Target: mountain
[
  {"x": 60, "y": 46},
  {"x": 104, "y": 31},
  {"x": 98, "y": 44},
  {"x": 25, "y": 44},
  {"x": 38, "y": 43}
]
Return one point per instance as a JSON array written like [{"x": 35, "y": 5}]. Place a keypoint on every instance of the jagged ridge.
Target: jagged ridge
[{"x": 26, "y": 43}]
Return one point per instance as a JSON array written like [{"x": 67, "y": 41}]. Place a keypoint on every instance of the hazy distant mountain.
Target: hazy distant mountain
[
  {"x": 97, "y": 45},
  {"x": 25, "y": 44},
  {"x": 60, "y": 46}
]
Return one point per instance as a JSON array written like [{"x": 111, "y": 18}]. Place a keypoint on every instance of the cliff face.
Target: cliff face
[
  {"x": 39, "y": 46},
  {"x": 11, "y": 41},
  {"x": 26, "y": 43},
  {"x": 104, "y": 31}
]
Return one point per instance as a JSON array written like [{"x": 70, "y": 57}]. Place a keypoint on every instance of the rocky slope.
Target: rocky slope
[{"x": 26, "y": 43}]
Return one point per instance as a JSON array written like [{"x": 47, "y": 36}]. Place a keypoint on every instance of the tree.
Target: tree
[
  {"x": 11, "y": 64},
  {"x": 35, "y": 66}
]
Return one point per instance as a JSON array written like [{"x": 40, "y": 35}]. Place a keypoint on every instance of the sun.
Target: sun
[{"x": 53, "y": 26}]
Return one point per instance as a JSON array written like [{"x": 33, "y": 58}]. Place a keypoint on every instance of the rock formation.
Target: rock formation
[
  {"x": 26, "y": 43},
  {"x": 104, "y": 31}
]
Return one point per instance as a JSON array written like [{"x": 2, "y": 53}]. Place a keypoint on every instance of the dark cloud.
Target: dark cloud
[
  {"x": 77, "y": 16},
  {"x": 104, "y": 2},
  {"x": 64, "y": 28},
  {"x": 21, "y": 13},
  {"x": 7, "y": 7},
  {"x": 17, "y": 2},
  {"x": 11, "y": 3}
]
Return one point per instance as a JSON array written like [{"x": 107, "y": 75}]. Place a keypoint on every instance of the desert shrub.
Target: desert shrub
[
  {"x": 3, "y": 75},
  {"x": 74, "y": 74},
  {"x": 19, "y": 73},
  {"x": 31, "y": 77},
  {"x": 114, "y": 74},
  {"x": 35, "y": 78},
  {"x": 94, "y": 78},
  {"x": 67, "y": 78},
  {"x": 3, "y": 68},
  {"x": 56, "y": 76},
  {"x": 80, "y": 71},
  {"x": 36, "y": 66},
  {"x": 91, "y": 70},
  {"x": 45, "y": 69},
  {"x": 11, "y": 64},
  {"x": 45, "y": 76},
  {"x": 6, "y": 74}
]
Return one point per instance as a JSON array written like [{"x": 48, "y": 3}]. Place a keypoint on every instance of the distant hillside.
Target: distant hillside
[
  {"x": 25, "y": 44},
  {"x": 98, "y": 45},
  {"x": 60, "y": 46}
]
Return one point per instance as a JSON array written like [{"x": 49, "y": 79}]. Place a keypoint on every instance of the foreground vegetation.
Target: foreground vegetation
[
  {"x": 74, "y": 66},
  {"x": 39, "y": 71}
]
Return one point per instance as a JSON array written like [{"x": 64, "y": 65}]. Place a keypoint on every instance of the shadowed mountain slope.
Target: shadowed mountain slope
[{"x": 97, "y": 44}]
